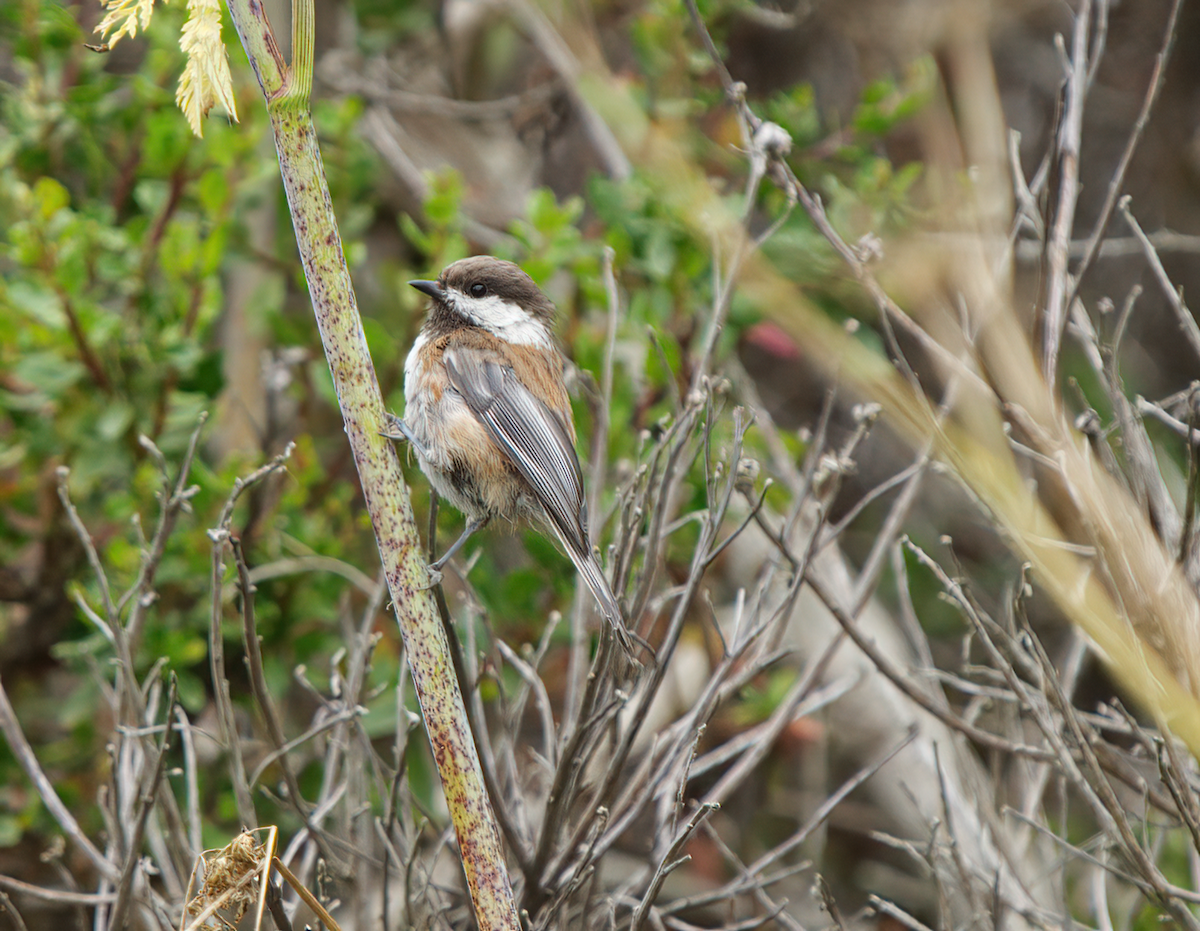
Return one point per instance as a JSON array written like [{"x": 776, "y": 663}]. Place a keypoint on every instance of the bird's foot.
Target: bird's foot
[
  {"x": 397, "y": 429},
  {"x": 433, "y": 577}
]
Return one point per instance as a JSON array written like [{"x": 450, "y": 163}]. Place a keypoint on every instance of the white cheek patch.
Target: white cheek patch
[{"x": 503, "y": 319}]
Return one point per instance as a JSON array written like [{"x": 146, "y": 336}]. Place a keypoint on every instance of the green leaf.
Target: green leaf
[
  {"x": 39, "y": 302},
  {"x": 660, "y": 254},
  {"x": 12, "y": 829},
  {"x": 212, "y": 190},
  {"x": 445, "y": 197},
  {"x": 151, "y": 194},
  {"x": 50, "y": 196},
  {"x": 168, "y": 140},
  {"x": 49, "y": 372},
  {"x": 114, "y": 419},
  {"x": 413, "y": 232}
]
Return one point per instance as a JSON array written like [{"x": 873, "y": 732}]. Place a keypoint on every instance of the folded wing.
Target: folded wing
[{"x": 534, "y": 437}]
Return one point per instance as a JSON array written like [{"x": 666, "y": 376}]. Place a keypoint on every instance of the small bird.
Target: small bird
[{"x": 487, "y": 412}]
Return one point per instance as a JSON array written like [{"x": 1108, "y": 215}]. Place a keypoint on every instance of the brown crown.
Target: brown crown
[{"x": 504, "y": 279}]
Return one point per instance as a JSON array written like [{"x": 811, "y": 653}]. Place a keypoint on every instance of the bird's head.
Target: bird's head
[{"x": 492, "y": 294}]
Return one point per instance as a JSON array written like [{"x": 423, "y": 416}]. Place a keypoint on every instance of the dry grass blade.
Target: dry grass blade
[{"x": 306, "y": 895}]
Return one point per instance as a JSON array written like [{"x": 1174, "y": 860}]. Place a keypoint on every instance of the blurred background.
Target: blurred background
[{"x": 149, "y": 276}]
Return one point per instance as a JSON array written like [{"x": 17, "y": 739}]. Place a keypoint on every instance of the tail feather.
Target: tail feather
[{"x": 593, "y": 576}]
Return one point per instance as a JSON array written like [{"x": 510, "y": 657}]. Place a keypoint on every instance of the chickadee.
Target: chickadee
[{"x": 487, "y": 413}]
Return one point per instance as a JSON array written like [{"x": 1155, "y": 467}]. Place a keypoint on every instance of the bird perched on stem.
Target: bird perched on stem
[{"x": 487, "y": 412}]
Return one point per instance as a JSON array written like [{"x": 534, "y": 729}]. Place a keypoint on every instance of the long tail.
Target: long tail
[{"x": 591, "y": 573}]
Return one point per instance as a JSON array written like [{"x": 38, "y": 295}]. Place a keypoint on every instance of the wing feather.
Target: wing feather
[{"x": 535, "y": 438}]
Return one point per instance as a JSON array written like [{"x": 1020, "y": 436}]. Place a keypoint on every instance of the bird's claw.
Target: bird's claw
[
  {"x": 433, "y": 578},
  {"x": 397, "y": 429},
  {"x": 394, "y": 427}
]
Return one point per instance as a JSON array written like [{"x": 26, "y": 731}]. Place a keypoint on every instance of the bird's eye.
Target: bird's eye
[{"x": 478, "y": 289}]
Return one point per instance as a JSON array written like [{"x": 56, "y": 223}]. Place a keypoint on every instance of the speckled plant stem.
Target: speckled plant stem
[{"x": 386, "y": 495}]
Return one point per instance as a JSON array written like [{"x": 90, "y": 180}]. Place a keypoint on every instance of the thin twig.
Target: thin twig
[
  {"x": 175, "y": 499},
  {"x": 1187, "y": 322},
  {"x": 1070, "y": 132},
  {"x": 883, "y": 906},
  {"x": 64, "y": 896},
  {"x": 669, "y": 862},
  {"x": 146, "y": 796},
  {"x": 1190, "y": 434},
  {"x": 1115, "y": 185},
  {"x": 21, "y": 749},
  {"x": 258, "y": 679}
]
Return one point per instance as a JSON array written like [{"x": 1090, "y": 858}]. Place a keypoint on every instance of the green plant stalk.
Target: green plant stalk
[{"x": 386, "y": 495}]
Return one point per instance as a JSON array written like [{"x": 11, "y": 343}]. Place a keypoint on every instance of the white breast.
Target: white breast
[{"x": 410, "y": 364}]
